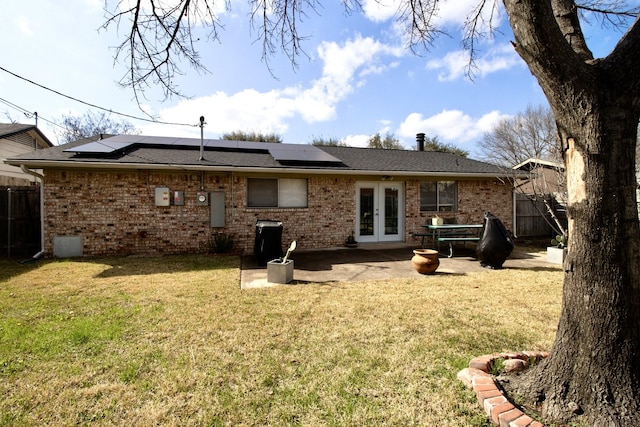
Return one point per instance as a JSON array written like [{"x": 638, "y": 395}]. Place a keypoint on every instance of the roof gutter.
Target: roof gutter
[
  {"x": 41, "y": 178},
  {"x": 43, "y": 164}
]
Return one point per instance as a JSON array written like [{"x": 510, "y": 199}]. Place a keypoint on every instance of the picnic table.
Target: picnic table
[{"x": 451, "y": 233}]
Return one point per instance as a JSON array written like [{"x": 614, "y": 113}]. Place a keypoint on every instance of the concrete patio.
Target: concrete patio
[{"x": 378, "y": 262}]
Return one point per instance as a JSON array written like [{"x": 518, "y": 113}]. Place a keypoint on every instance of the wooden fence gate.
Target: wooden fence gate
[
  {"x": 19, "y": 221},
  {"x": 531, "y": 217}
]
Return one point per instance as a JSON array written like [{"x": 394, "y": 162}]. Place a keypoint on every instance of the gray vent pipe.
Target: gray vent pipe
[{"x": 420, "y": 141}]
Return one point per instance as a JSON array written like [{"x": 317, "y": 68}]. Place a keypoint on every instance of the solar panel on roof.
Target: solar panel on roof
[
  {"x": 301, "y": 153},
  {"x": 280, "y": 152},
  {"x": 99, "y": 147}
]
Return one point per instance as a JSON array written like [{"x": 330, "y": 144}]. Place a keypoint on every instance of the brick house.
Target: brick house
[{"x": 134, "y": 194}]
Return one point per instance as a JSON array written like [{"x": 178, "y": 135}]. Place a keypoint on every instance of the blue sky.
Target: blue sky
[{"x": 358, "y": 78}]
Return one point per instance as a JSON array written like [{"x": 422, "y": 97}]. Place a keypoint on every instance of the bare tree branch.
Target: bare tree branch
[
  {"x": 617, "y": 13},
  {"x": 478, "y": 26},
  {"x": 160, "y": 37},
  {"x": 419, "y": 17},
  {"x": 528, "y": 135},
  {"x": 277, "y": 25},
  {"x": 161, "y": 34}
]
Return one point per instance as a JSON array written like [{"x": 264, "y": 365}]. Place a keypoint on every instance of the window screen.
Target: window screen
[
  {"x": 262, "y": 193},
  {"x": 274, "y": 193},
  {"x": 439, "y": 196},
  {"x": 292, "y": 193}
]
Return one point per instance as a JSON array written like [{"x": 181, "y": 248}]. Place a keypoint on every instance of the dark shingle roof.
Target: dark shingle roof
[
  {"x": 371, "y": 159},
  {"x": 255, "y": 157},
  {"x": 10, "y": 129}
]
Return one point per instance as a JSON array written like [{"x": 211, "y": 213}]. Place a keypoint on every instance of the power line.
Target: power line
[
  {"x": 38, "y": 117},
  {"x": 28, "y": 113},
  {"x": 17, "y": 107},
  {"x": 96, "y": 106}
]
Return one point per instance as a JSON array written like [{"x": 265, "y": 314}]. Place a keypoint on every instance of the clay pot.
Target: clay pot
[{"x": 425, "y": 261}]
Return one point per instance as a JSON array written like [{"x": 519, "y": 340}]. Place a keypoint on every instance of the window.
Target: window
[
  {"x": 439, "y": 196},
  {"x": 276, "y": 193}
]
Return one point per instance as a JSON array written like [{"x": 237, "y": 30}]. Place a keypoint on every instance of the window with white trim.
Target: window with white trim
[
  {"x": 439, "y": 196},
  {"x": 277, "y": 192}
]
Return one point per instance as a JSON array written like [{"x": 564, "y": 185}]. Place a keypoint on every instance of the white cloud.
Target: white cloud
[
  {"x": 385, "y": 127},
  {"x": 487, "y": 122},
  {"x": 454, "y": 64},
  {"x": 342, "y": 61},
  {"x": 449, "y": 13},
  {"x": 452, "y": 126},
  {"x": 502, "y": 57},
  {"x": 345, "y": 67},
  {"x": 97, "y": 5},
  {"x": 380, "y": 10},
  {"x": 25, "y": 26},
  {"x": 248, "y": 110},
  {"x": 456, "y": 12},
  {"x": 361, "y": 141}
]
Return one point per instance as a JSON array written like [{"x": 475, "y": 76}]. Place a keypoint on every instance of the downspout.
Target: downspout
[
  {"x": 41, "y": 177},
  {"x": 9, "y": 222},
  {"x": 514, "y": 207}
]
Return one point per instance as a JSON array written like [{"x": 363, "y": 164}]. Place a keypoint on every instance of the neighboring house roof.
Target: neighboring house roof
[
  {"x": 531, "y": 164},
  {"x": 136, "y": 151},
  {"x": 10, "y": 130},
  {"x": 544, "y": 177}
]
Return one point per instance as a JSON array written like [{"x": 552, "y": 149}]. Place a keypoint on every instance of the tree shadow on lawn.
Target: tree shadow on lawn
[
  {"x": 324, "y": 260},
  {"x": 10, "y": 267},
  {"x": 141, "y": 266}
]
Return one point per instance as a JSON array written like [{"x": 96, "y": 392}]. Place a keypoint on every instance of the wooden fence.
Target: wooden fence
[
  {"x": 532, "y": 218},
  {"x": 19, "y": 221}
]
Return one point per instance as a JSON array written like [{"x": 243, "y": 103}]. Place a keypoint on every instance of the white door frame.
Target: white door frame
[{"x": 370, "y": 226}]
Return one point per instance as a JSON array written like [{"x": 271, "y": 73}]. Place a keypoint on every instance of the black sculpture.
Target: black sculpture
[{"x": 496, "y": 244}]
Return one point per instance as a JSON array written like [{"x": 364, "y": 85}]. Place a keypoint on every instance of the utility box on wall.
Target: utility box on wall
[
  {"x": 217, "y": 208},
  {"x": 178, "y": 198},
  {"x": 67, "y": 246},
  {"x": 162, "y": 196},
  {"x": 202, "y": 198}
]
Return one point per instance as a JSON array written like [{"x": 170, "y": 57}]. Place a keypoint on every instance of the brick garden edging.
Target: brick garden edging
[{"x": 497, "y": 407}]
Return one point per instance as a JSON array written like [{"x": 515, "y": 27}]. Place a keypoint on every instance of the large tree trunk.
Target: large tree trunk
[
  {"x": 594, "y": 365},
  {"x": 595, "y": 361}
]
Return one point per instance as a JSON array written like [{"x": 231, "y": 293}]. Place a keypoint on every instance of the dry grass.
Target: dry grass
[{"x": 174, "y": 341}]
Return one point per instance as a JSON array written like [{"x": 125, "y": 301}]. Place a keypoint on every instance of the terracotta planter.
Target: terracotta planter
[{"x": 425, "y": 261}]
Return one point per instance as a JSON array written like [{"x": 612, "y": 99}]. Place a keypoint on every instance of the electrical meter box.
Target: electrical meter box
[
  {"x": 178, "y": 198},
  {"x": 217, "y": 209},
  {"x": 162, "y": 196},
  {"x": 202, "y": 198}
]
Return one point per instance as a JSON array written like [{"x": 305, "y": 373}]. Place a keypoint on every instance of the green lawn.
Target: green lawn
[{"x": 174, "y": 341}]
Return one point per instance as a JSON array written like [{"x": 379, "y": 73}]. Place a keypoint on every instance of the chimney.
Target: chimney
[{"x": 420, "y": 141}]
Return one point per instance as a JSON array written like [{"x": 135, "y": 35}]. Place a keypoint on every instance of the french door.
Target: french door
[{"x": 379, "y": 211}]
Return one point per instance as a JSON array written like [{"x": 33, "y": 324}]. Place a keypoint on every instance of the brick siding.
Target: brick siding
[
  {"x": 115, "y": 212},
  {"x": 474, "y": 199}
]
